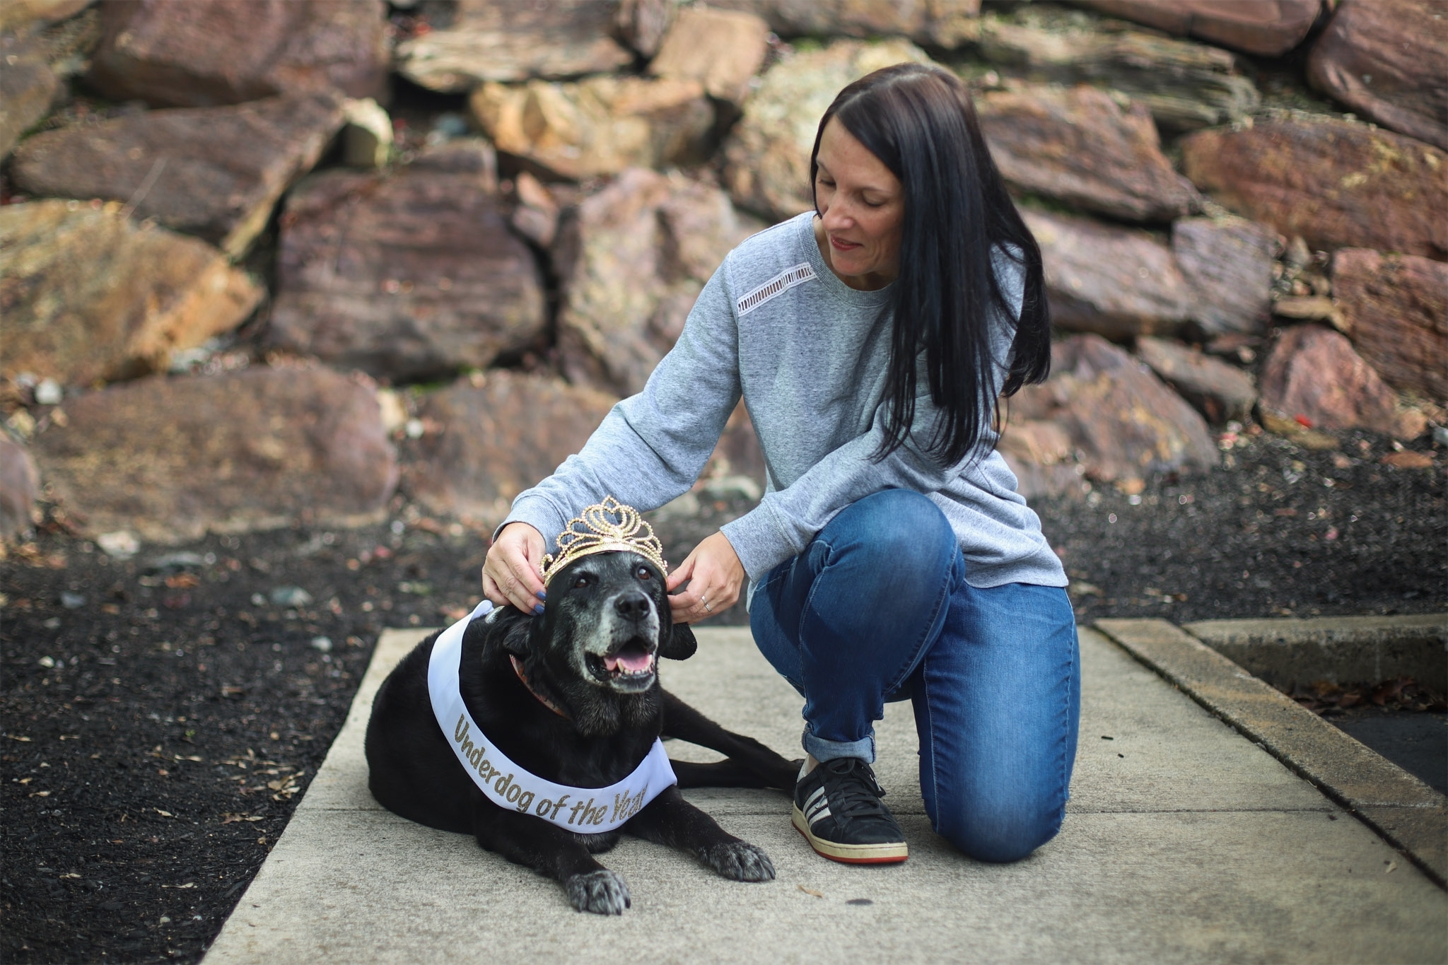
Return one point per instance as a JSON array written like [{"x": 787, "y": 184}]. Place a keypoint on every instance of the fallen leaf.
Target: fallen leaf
[
  {"x": 1407, "y": 459},
  {"x": 41, "y": 794},
  {"x": 810, "y": 891},
  {"x": 164, "y": 814},
  {"x": 1389, "y": 690},
  {"x": 1392, "y": 866}
]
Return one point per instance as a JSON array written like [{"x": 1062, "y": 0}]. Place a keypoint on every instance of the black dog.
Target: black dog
[{"x": 573, "y": 697}]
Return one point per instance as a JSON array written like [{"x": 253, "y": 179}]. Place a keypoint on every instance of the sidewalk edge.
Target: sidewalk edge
[{"x": 1400, "y": 808}]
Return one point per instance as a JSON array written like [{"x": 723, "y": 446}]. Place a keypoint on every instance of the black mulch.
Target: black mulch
[{"x": 160, "y": 717}]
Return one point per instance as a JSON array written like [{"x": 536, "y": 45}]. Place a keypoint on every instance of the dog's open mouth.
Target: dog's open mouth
[{"x": 632, "y": 661}]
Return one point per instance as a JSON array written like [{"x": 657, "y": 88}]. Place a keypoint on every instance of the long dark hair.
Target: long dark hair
[{"x": 920, "y": 122}]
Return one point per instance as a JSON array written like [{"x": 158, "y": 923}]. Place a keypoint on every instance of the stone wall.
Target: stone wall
[{"x": 264, "y": 261}]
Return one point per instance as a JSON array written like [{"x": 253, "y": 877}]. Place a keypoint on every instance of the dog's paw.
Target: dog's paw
[
  {"x": 740, "y": 861},
  {"x": 601, "y": 892}
]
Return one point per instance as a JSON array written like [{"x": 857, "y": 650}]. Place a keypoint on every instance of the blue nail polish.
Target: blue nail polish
[
  {"x": 538, "y": 608},
  {"x": 542, "y": 594}
]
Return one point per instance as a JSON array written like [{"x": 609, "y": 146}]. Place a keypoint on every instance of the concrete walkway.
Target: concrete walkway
[{"x": 1185, "y": 842}]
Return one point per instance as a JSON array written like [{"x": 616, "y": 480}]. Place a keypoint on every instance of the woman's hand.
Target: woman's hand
[
  {"x": 714, "y": 575},
  {"x": 511, "y": 571}
]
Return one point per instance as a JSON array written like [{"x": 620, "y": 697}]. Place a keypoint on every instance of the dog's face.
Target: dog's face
[{"x": 610, "y": 615}]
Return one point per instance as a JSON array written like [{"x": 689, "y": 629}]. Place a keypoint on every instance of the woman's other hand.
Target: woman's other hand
[
  {"x": 714, "y": 575},
  {"x": 511, "y": 571}
]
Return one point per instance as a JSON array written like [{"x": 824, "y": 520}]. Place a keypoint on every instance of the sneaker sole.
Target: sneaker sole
[{"x": 887, "y": 853}]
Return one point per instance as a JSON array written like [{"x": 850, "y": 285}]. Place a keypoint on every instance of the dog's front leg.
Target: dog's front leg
[
  {"x": 550, "y": 850},
  {"x": 669, "y": 819},
  {"x": 749, "y": 764}
]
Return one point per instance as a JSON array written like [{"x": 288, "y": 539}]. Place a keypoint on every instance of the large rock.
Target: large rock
[
  {"x": 1313, "y": 375},
  {"x": 632, "y": 259},
  {"x": 1042, "y": 456},
  {"x": 767, "y": 155},
  {"x": 1219, "y": 391},
  {"x": 738, "y": 455},
  {"x": 1116, "y": 282},
  {"x": 1388, "y": 60},
  {"x": 214, "y": 172},
  {"x": 506, "y": 40},
  {"x": 19, "y": 485},
  {"x": 643, "y": 24},
  {"x": 170, "y": 459},
  {"x": 1228, "y": 263},
  {"x": 20, "y": 15},
  {"x": 1395, "y": 310},
  {"x": 1264, "y": 27},
  {"x": 86, "y": 295},
  {"x": 181, "y": 53},
  {"x": 27, "y": 89},
  {"x": 939, "y": 23},
  {"x": 720, "y": 49},
  {"x": 597, "y": 126},
  {"x": 1079, "y": 147},
  {"x": 1336, "y": 183},
  {"x": 1185, "y": 85},
  {"x": 409, "y": 275},
  {"x": 493, "y": 435},
  {"x": 1118, "y": 420}
]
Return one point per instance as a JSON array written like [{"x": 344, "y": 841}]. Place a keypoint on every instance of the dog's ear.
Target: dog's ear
[
  {"x": 679, "y": 644},
  {"x": 514, "y": 629}
]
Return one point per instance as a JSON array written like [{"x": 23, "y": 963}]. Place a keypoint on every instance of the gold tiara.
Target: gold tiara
[{"x": 606, "y": 527}]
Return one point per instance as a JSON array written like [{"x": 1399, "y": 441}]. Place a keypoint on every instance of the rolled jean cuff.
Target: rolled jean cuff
[{"x": 823, "y": 750}]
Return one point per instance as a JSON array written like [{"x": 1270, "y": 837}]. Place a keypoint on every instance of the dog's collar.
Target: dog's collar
[{"x": 518, "y": 669}]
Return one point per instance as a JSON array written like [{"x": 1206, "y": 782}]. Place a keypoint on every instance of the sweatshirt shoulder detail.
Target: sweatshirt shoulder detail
[{"x": 778, "y": 285}]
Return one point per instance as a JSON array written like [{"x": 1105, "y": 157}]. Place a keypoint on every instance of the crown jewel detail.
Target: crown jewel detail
[{"x": 606, "y": 527}]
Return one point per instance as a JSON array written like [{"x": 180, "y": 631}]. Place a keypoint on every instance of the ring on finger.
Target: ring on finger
[{"x": 707, "y": 607}]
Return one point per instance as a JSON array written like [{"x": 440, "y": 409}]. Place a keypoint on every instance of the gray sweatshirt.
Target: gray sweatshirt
[{"x": 809, "y": 355}]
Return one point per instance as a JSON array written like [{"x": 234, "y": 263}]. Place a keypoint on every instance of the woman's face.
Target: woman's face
[{"x": 861, "y": 208}]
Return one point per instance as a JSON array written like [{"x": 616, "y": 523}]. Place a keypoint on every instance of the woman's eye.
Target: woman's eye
[{"x": 644, "y": 574}]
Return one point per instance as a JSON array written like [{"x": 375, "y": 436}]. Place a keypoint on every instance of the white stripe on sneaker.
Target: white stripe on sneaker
[{"x": 816, "y": 806}]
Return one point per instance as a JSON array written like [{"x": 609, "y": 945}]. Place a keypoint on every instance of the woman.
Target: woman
[{"x": 891, "y": 556}]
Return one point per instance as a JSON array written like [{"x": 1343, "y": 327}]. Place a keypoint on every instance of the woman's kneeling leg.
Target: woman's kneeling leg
[
  {"x": 846, "y": 622},
  {"x": 997, "y": 705}
]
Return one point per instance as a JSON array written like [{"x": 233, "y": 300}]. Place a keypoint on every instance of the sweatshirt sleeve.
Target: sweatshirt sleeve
[
  {"x": 652, "y": 446},
  {"x": 785, "y": 521}
]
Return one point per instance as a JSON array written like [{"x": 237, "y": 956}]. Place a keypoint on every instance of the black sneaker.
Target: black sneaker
[{"x": 837, "y": 808}]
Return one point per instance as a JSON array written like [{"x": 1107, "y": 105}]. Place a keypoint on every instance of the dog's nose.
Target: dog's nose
[{"x": 632, "y": 606}]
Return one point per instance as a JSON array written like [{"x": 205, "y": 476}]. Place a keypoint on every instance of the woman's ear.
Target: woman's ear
[{"x": 679, "y": 643}]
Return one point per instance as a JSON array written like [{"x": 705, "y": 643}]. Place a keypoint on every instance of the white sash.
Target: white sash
[{"x": 587, "y": 810}]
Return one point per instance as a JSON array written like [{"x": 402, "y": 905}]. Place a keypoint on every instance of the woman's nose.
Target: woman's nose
[{"x": 836, "y": 215}]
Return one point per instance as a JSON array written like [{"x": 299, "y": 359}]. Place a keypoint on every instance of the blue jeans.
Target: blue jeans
[{"x": 877, "y": 608}]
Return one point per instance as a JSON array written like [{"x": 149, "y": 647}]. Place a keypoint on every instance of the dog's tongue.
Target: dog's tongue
[{"x": 630, "y": 662}]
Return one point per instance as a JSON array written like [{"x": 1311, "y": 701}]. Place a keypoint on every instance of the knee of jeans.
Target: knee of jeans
[
  {"x": 902, "y": 527},
  {"x": 1001, "y": 835}
]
